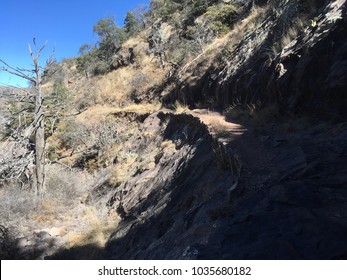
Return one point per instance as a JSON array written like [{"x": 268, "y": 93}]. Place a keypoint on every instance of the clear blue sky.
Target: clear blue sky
[{"x": 66, "y": 24}]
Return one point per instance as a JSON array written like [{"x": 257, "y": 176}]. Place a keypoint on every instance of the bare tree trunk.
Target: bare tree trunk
[
  {"x": 35, "y": 76},
  {"x": 40, "y": 187}
]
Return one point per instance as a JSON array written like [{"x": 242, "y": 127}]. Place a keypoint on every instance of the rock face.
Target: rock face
[
  {"x": 123, "y": 58},
  {"x": 299, "y": 213},
  {"x": 166, "y": 205},
  {"x": 289, "y": 199},
  {"x": 307, "y": 74},
  {"x": 311, "y": 70},
  {"x": 287, "y": 202}
]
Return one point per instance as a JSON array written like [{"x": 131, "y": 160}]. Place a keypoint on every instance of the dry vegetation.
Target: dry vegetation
[
  {"x": 215, "y": 52},
  {"x": 22, "y": 211},
  {"x": 89, "y": 124}
]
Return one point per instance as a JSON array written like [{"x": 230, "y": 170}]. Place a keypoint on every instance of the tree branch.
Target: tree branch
[{"x": 16, "y": 71}]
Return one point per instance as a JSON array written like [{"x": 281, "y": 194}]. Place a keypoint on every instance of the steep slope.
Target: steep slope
[
  {"x": 288, "y": 53},
  {"x": 255, "y": 168},
  {"x": 279, "y": 206},
  {"x": 193, "y": 192},
  {"x": 287, "y": 203},
  {"x": 166, "y": 205}
]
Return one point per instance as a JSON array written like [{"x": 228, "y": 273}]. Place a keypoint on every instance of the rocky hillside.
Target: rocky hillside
[
  {"x": 216, "y": 131},
  {"x": 288, "y": 53}
]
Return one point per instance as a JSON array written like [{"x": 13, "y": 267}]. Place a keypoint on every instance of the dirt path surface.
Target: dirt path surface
[{"x": 246, "y": 143}]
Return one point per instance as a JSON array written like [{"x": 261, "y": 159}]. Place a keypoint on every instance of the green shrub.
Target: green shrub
[
  {"x": 221, "y": 17},
  {"x": 165, "y": 8},
  {"x": 85, "y": 62},
  {"x": 101, "y": 67},
  {"x": 54, "y": 72},
  {"x": 131, "y": 24}
]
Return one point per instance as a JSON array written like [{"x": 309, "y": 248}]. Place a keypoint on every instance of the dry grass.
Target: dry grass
[
  {"x": 298, "y": 25},
  {"x": 117, "y": 87},
  {"x": 95, "y": 114},
  {"x": 15, "y": 207},
  {"x": 265, "y": 116},
  {"x": 140, "y": 108},
  {"x": 99, "y": 113},
  {"x": 127, "y": 162},
  {"x": 88, "y": 236},
  {"x": 214, "y": 51},
  {"x": 19, "y": 209},
  {"x": 254, "y": 113},
  {"x": 181, "y": 108},
  {"x": 220, "y": 128}
]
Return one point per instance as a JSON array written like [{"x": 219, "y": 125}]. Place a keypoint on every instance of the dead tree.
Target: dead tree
[
  {"x": 37, "y": 127},
  {"x": 158, "y": 40}
]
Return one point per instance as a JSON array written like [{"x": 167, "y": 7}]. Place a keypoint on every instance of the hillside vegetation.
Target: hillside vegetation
[{"x": 200, "y": 129}]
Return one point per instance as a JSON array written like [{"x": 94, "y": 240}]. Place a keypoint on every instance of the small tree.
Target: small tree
[
  {"x": 141, "y": 13},
  {"x": 131, "y": 24},
  {"x": 109, "y": 34},
  {"x": 85, "y": 48},
  {"x": 37, "y": 127}
]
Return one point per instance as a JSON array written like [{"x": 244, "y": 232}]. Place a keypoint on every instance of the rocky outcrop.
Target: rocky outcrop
[
  {"x": 298, "y": 213},
  {"x": 307, "y": 74},
  {"x": 310, "y": 72},
  {"x": 288, "y": 202},
  {"x": 123, "y": 58},
  {"x": 195, "y": 186},
  {"x": 179, "y": 187}
]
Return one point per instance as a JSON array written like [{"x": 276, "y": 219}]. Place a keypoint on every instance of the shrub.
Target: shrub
[
  {"x": 72, "y": 134},
  {"x": 65, "y": 185},
  {"x": 96, "y": 62},
  {"x": 85, "y": 62},
  {"x": 15, "y": 207},
  {"x": 138, "y": 81},
  {"x": 101, "y": 68},
  {"x": 164, "y": 9},
  {"x": 131, "y": 24},
  {"x": 54, "y": 72},
  {"x": 221, "y": 17}
]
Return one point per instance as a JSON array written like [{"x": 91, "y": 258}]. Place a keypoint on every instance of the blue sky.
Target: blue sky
[{"x": 66, "y": 24}]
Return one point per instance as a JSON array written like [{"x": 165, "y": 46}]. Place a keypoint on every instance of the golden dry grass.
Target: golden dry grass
[
  {"x": 127, "y": 162},
  {"x": 209, "y": 56},
  {"x": 115, "y": 88},
  {"x": 140, "y": 108},
  {"x": 92, "y": 232},
  {"x": 181, "y": 108},
  {"x": 217, "y": 124}
]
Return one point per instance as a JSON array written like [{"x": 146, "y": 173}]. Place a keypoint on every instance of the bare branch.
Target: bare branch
[
  {"x": 15, "y": 71},
  {"x": 22, "y": 135},
  {"x": 30, "y": 50},
  {"x": 39, "y": 50}
]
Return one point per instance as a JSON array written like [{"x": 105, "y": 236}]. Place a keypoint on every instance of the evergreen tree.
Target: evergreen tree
[{"x": 131, "y": 24}]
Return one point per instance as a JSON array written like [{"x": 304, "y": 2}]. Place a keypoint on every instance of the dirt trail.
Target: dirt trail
[
  {"x": 246, "y": 143},
  {"x": 217, "y": 123}
]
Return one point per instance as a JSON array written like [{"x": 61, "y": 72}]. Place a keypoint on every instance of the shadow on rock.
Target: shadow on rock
[{"x": 87, "y": 252}]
